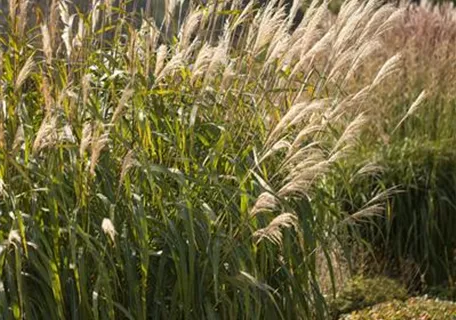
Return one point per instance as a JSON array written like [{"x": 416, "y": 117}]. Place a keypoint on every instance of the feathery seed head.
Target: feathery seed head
[
  {"x": 273, "y": 232},
  {"x": 19, "y": 138},
  {"x": 46, "y": 135},
  {"x": 47, "y": 45},
  {"x": 389, "y": 67},
  {"x": 265, "y": 202},
  {"x": 24, "y": 72},
  {"x": 14, "y": 238},
  {"x": 86, "y": 138},
  {"x": 126, "y": 96},
  {"x": 128, "y": 162},
  {"x": 97, "y": 145},
  {"x": 108, "y": 228}
]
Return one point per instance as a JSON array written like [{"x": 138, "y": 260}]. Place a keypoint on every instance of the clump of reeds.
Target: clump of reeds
[
  {"x": 412, "y": 140},
  {"x": 168, "y": 170}
]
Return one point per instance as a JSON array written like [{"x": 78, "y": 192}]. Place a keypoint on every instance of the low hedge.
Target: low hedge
[
  {"x": 411, "y": 309},
  {"x": 361, "y": 292}
]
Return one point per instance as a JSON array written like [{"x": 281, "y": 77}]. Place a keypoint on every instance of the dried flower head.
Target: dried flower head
[
  {"x": 108, "y": 228},
  {"x": 273, "y": 232}
]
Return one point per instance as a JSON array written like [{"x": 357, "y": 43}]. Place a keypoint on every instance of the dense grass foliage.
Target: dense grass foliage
[
  {"x": 192, "y": 168},
  {"x": 410, "y": 148}
]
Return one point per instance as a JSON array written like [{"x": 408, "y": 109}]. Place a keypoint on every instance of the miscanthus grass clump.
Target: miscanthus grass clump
[
  {"x": 166, "y": 170},
  {"x": 410, "y": 146}
]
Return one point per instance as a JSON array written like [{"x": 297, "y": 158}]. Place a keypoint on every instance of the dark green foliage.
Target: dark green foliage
[
  {"x": 361, "y": 292},
  {"x": 413, "y": 237}
]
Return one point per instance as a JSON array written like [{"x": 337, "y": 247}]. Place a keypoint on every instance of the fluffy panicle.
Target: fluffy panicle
[
  {"x": 14, "y": 238},
  {"x": 313, "y": 31},
  {"x": 417, "y": 103},
  {"x": 389, "y": 67},
  {"x": 273, "y": 232},
  {"x": 343, "y": 61},
  {"x": 349, "y": 34},
  {"x": 369, "y": 169},
  {"x": 77, "y": 42},
  {"x": 246, "y": 12},
  {"x": 64, "y": 12},
  {"x": 271, "y": 20},
  {"x": 300, "y": 52},
  {"x": 67, "y": 34},
  {"x": 392, "y": 20},
  {"x": 376, "y": 20},
  {"x": 19, "y": 138},
  {"x": 12, "y": 7},
  {"x": 351, "y": 132},
  {"x": 170, "y": 7},
  {"x": 47, "y": 45},
  {"x": 304, "y": 134},
  {"x": 279, "y": 145},
  {"x": 371, "y": 6},
  {"x": 176, "y": 61},
  {"x": 297, "y": 113},
  {"x": 338, "y": 110},
  {"x": 54, "y": 21},
  {"x": 46, "y": 135},
  {"x": 128, "y": 163},
  {"x": 97, "y": 145},
  {"x": 160, "y": 59},
  {"x": 308, "y": 16},
  {"x": 412, "y": 108},
  {"x": 358, "y": 96},
  {"x": 306, "y": 169},
  {"x": 286, "y": 119},
  {"x": 86, "y": 88},
  {"x": 149, "y": 35},
  {"x": 295, "y": 6},
  {"x": 313, "y": 108},
  {"x": 108, "y": 228},
  {"x": 48, "y": 100},
  {"x": 365, "y": 213},
  {"x": 324, "y": 44},
  {"x": 202, "y": 61},
  {"x": 367, "y": 50},
  {"x": 66, "y": 134},
  {"x": 227, "y": 76},
  {"x": 347, "y": 11},
  {"x": 150, "y": 31},
  {"x": 279, "y": 46},
  {"x": 135, "y": 51},
  {"x": 266, "y": 202},
  {"x": 218, "y": 61},
  {"x": 86, "y": 138},
  {"x": 126, "y": 96},
  {"x": 304, "y": 158},
  {"x": 2, "y": 136},
  {"x": 25, "y": 72},
  {"x": 22, "y": 17},
  {"x": 95, "y": 14},
  {"x": 301, "y": 178},
  {"x": 189, "y": 27}
]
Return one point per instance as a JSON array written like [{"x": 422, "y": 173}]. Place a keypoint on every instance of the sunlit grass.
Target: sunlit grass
[{"x": 175, "y": 170}]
